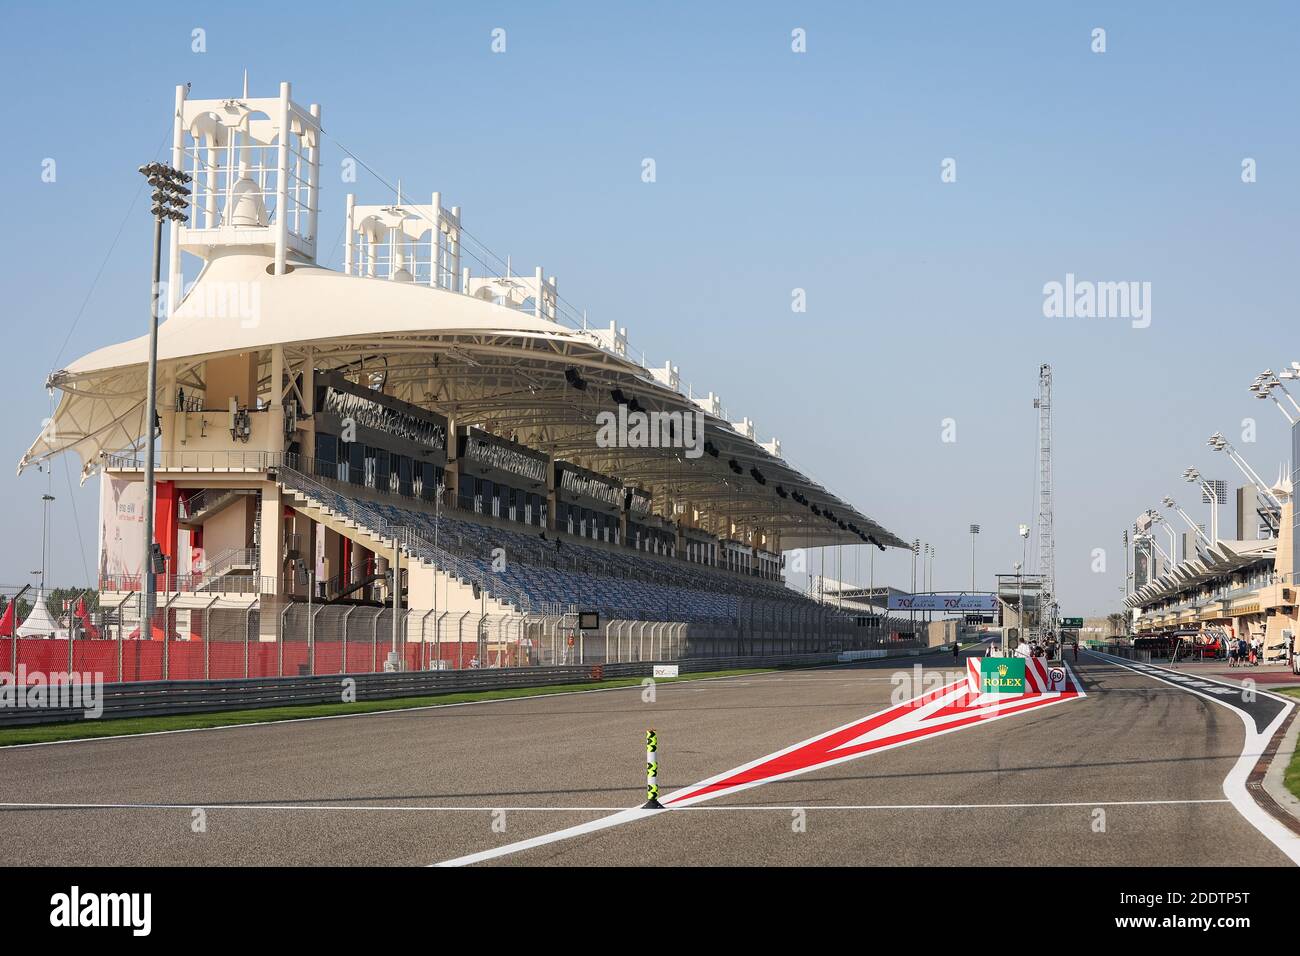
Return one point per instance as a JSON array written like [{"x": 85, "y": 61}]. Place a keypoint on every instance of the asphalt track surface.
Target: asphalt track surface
[{"x": 1131, "y": 774}]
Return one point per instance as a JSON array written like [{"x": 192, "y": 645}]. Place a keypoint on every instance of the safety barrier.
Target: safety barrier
[
  {"x": 158, "y": 698},
  {"x": 876, "y": 653}
]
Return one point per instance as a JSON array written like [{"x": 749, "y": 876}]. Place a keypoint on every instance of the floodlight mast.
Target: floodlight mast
[
  {"x": 1152, "y": 538},
  {"x": 1158, "y": 518},
  {"x": 1193, "y": 475},
  {"x": 1219, "y": 443},
  {"x": 169, "y": 203},
  {"x": 1169, "y": 502},
  {"x": 1262, "y": 388},
  {"x": 1275, "y": 381}
]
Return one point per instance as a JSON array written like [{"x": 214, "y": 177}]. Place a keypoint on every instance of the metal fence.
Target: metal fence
[
  {"x": 146, "y": 698},
  {"x": 221, "y": 641}
]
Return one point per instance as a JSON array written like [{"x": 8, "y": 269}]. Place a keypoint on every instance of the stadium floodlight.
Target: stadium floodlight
[
  {"x": 1169, "y": 503},
  {"x": 169, "y": 203},
  {"x": 1191, "y": 475},
  {"x": 1262, "y": 387},
  {"x": 1158, "y": 518},
  {"x": 1219, "y": 443},
  {"x": 1276, "y": 382}
]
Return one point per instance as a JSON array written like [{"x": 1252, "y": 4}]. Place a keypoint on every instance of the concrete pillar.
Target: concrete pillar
[
  {"x": 275, "y": 439},
  {"x": 269, "y": 564}
]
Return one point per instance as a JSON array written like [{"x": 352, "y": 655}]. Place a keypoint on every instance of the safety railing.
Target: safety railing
[
  {"x": 223, "y": 561},
  {"x": 199, "y": 582},
  {"x": 198, "y": 461},
  {"x": 407, "y": 538}
]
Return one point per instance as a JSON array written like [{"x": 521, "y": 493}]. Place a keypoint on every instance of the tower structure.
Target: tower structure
[
  {"x": 255, "y": 168},
  {"x": 405, "y": 242},
  {"x": 1046, "y": 534}
]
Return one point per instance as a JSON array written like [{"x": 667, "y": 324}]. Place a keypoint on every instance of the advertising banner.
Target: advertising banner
[
  {"x": 1002, "y": 675},
  {"x": 942, "y": 602},
  {"x": 121, "y": 526}
]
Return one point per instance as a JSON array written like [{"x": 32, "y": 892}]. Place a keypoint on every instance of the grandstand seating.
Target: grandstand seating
[{"x": 538, "y": 577}]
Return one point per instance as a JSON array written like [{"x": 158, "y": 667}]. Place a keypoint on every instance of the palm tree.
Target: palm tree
[{"x": 1117, "y": 623}]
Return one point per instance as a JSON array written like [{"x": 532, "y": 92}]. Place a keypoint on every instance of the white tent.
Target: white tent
[{"x": 39, "y": 623}]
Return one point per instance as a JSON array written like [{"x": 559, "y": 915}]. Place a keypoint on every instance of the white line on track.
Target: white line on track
[
  {"x": 1234, "y": 784},
  {"x": 632, "y": 814},
  {"x": 722, "y": 808}
]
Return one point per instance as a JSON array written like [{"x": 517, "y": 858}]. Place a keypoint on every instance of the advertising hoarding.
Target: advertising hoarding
[{"x": 942, "y": 602}]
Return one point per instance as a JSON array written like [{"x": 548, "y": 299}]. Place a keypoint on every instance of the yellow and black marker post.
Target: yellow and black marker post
[{"x": 652, "y": 772}]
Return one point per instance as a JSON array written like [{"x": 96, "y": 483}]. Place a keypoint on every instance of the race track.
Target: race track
[{"x": 1130, "y": 774}]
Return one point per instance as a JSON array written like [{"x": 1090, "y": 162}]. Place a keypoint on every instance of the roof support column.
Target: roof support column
[
  {"x": 282, "y": 185},
  {"x": 313, "y": 177},
  {"x": 348, "y": 233},
  {"x": 175, "y": 278},
  {"x": 275, "y": 440},
  {"x": 271, "y": 533}
]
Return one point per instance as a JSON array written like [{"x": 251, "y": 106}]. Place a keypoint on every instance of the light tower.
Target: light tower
[{"x": 1046, "y": 535}]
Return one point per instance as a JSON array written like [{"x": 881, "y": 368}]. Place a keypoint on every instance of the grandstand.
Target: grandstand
[{"x": 422, "y": 430}]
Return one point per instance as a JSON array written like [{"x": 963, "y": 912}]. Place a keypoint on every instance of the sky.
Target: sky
[{"x": 907, "y": 384}]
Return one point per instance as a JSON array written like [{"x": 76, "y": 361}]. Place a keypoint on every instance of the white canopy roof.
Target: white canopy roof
[
  {"x": 496, "y": 366},
  {"x": 1222, "y": 559}
]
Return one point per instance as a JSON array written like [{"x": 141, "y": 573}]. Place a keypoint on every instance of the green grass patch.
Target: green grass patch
[
  {"x": 91, "y": 729},
  {"x": 1291, "y": 776}
]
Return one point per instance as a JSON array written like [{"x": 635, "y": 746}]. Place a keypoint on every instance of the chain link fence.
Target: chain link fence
[{"x": 222, "y": 640}]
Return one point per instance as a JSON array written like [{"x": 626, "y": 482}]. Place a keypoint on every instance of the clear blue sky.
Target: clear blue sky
[{"x": 775, "y": 170}]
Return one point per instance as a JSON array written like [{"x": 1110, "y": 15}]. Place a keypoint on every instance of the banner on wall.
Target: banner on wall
[
  {"x": 942, "y": 602},
  {"x": 121, "y": 525}
]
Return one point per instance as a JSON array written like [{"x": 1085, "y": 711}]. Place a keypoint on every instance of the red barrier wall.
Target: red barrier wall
[{"x": 186, "y": 660}]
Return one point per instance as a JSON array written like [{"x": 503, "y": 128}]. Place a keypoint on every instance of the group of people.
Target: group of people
[
  {"x": 1244, "y": 653},
  {"x": 1025, "y": 649},
  {"x": 1032, "y": 649}
]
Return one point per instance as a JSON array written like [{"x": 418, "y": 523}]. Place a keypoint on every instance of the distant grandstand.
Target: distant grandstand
[{"x": 424, "y": 436}]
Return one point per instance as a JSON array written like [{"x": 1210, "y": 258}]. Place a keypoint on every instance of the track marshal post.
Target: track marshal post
[{"x": 652, "y": 772}]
